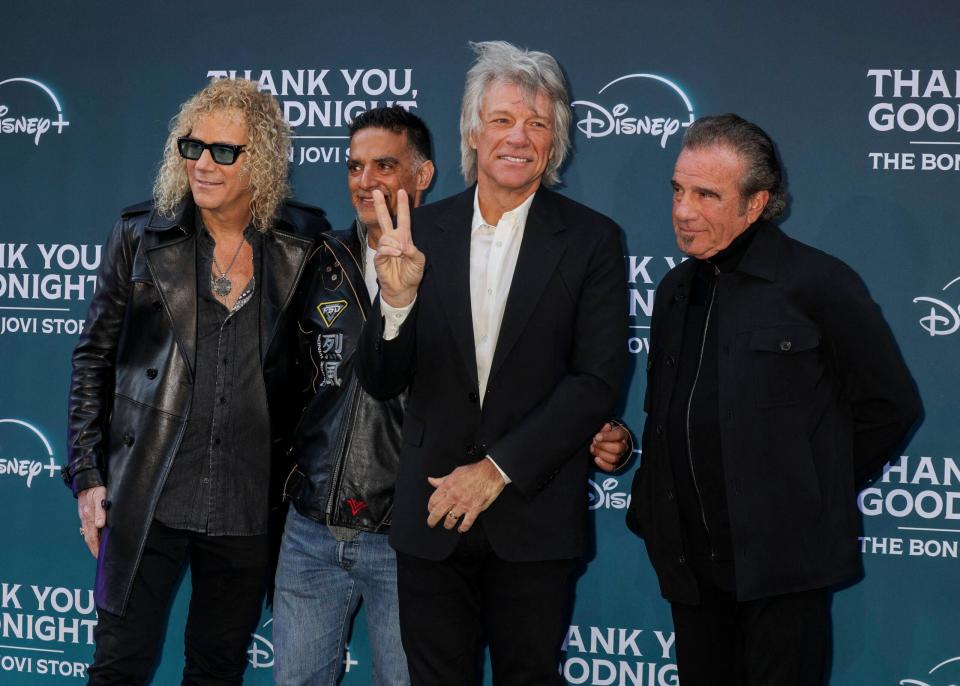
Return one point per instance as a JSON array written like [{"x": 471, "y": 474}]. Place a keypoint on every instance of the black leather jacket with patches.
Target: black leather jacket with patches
[{"x": 347, "y": 443}]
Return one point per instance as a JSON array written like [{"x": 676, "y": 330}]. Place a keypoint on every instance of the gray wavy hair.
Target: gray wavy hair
[
  {"x": 533, "y": 72},
  {"x": 265, "y": 155},
  {"x": 762, "y": 172}
]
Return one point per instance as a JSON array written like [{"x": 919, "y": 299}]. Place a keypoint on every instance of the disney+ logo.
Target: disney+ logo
[{"x": 943, "y": 318}]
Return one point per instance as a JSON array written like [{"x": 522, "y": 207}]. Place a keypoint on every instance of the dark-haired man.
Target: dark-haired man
[
  {"x": 774, "y": 389},
  {"x": 334, "y": 551}
]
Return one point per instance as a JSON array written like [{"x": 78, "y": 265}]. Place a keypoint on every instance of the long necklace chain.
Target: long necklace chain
[{"x": 222, "y": 285}]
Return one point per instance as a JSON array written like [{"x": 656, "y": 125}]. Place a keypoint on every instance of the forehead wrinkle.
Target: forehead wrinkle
[{"x": 528, "y": 96}]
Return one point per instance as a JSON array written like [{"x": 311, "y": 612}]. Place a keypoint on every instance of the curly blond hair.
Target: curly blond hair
[{"x": 265, "y": 155}]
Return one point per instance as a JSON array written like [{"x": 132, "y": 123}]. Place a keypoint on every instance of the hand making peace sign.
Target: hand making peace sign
[{"x": 398, "y": 262}]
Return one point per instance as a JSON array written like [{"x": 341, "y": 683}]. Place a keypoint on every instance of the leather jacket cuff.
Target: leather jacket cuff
[{"x": 79, "y": 478}]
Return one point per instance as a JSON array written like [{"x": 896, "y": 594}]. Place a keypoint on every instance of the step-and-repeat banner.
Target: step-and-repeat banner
[{"x": 863, "y": 100}]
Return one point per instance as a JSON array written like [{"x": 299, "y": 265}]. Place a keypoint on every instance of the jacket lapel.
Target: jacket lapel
[
  {"x": 448, "y": 257},
  {"x": 172, "y": 261},
  {"x": 284, "y": 255},
  {"x": 540, "y": 252}
]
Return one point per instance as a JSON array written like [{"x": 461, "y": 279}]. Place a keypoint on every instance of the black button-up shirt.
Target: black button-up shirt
[{"x": 219, "y": 481}]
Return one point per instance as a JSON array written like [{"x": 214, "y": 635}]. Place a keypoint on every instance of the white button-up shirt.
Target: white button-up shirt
[{"x": 493, "y": 259}]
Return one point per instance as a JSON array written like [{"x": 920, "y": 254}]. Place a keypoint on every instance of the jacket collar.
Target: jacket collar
[
  {"x": 182, "y": 216},
  {"x": 762, "y": 255},
  {"x": 540, "y": 252},
  {"x": 173, "y": 264}
]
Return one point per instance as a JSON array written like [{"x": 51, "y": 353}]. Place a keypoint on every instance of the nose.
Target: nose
[
  {"x": 518, "y": 135},
  {"x": 682, "y": 207},
  {"x": 368, "y": 178},
  {"x": 206, "y": 161}
]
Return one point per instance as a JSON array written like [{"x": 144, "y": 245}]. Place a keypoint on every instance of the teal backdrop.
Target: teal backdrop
[{"x": 862, "y": 98}]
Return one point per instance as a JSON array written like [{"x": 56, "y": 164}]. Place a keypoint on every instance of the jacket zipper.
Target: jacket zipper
[{"x": 696, "y": 378}]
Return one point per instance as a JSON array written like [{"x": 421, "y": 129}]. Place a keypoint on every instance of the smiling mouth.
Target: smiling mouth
[
  {"x": 368, "y": 200},
  {"x": 518, "y": 160}
]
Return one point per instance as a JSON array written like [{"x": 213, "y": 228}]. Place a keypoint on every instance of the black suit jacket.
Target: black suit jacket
[
  {"x": 555, "y": 376},
  {"x": 813, "y": 398}
]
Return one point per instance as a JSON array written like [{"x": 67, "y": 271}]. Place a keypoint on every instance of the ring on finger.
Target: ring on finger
[{"x": 451, "y": 515}]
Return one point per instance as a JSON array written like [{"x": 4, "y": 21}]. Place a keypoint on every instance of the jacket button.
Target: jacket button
[
  {"x": 669, "y": 495},
  {"x": 659, "y": 429},
  {"x": 157, "y": 305},
  {"x": 151, "y": 373},
  {"x": 473, "y": 397},
  {"x": 785, "y": 346},
  {"x": 128, "y": 440},
  {"x": 671, "y": 361},
  {"x": 682, "y": 559}
]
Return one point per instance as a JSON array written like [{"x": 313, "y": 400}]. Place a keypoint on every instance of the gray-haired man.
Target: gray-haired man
[{"x": 511, "y": 321}]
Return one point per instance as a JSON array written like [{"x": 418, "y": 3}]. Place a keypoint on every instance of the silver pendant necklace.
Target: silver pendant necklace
[{"x": 222, "y": 285}]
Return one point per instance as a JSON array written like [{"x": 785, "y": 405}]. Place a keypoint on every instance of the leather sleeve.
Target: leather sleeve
[{"x": 92, "y": 381}]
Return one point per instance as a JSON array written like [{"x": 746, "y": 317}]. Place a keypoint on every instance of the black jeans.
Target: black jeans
[
  {"x": 783, "y": 640},
  {"x": 448, "y": 608},
  {"x": 228, "y": 581}
]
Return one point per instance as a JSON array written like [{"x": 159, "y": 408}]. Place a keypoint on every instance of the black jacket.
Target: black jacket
[
  {"x": 556, "y": 376},
  {"x": 347, "y": 444},
  {"x": 813, "y": 398},
  {"x": 133, "y": 370}
]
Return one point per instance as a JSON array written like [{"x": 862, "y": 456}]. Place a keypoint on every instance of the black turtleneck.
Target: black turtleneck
[{"x": 694, "y": 424}]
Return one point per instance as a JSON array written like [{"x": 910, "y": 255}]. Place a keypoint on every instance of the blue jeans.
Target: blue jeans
[{"x": 320, "y": 582}]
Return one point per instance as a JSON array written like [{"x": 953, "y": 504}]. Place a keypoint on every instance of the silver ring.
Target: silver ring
[{"x": 452, "y": 516}]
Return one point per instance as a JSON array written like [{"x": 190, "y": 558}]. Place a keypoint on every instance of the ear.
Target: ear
[
  {"x": 756, "y": 204},
  {"x": 424, "y": 177}
]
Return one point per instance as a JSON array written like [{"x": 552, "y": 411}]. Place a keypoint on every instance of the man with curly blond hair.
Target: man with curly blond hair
[{"x": 179, "y": 403}]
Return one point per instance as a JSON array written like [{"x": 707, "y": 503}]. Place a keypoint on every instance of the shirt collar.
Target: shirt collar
[
  {"x": 517, "y": 217},
  {"x": 250, "y": 232}
]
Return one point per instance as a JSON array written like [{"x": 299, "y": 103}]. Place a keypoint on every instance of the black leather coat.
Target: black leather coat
[
  {"x": 347, "y": 444},
  {"x": 133, "y": 370}
]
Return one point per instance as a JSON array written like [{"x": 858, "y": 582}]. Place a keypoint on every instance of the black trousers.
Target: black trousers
[
  {"x": 228, "y": 581},
  {"x": 778, "y": 641},
  {"x": 449, "y": 608}
]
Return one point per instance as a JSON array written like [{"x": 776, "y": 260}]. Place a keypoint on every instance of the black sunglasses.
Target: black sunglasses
[{"x": 222, "y": 153}]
